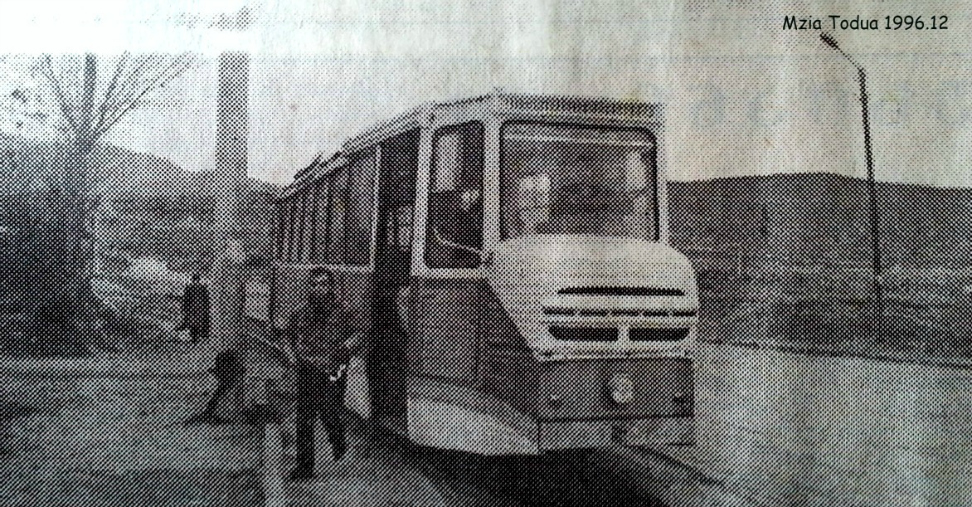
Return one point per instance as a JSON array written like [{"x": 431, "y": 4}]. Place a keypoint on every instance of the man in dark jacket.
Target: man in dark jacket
[
  {"x": 195, "y": 309},
  {"x": 317, "y": 336}
]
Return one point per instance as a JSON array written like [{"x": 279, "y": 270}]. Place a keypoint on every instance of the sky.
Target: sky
[{"x": 743, "y": 94}]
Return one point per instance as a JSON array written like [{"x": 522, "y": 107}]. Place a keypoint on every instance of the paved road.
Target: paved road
[
  {"x": 789, "y": 429},
  {"x": 94, "y": 440},
  {"x": 396, "y": 472},
  {"x": 778, "y": 428},
  {"x": 103, "y": 433}
]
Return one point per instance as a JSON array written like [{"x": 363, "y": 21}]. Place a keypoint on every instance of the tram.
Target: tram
[{"x": 507, "y": 256}]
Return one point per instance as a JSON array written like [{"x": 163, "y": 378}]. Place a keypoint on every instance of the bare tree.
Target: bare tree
[{"x": 86, "y": 101}]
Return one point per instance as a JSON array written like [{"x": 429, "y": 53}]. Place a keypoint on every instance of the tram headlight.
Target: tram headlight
[{"x": 621, "y": 388}]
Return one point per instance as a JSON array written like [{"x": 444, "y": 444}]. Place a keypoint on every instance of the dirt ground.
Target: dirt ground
[{"x": 77, "y": 436}]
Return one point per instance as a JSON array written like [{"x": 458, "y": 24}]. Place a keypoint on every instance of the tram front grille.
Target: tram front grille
[
  {"x": 621, "y": 291},
  {"x": 584, "y": 334},
  {"x": 657, "y": 335}
]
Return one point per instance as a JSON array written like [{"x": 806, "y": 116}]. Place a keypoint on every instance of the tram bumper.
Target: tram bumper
[
  {"x": 635, "y": 402},
  {"x": 675, "y": 430}
]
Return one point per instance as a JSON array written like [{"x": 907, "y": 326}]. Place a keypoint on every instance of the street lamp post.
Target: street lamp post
[{"x": 871, "y": 191}]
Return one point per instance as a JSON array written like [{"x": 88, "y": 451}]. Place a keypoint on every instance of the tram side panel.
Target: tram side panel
[
  {"x": 447, "y": 329},
  {"x": 463, "y": 395},
  {"x": 509, "y": 372},
  {"x": 473, "y": 383},
  {"x": 447, "y": 407}
]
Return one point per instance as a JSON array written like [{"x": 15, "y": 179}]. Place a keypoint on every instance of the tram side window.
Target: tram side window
[
  {"x": 291, "y": 226},
  {"x": 308, "y": 217},
  {"x": 300, "y": 205},
  {"x": 338, "y": 208},
  {"x": 281, "y": 212},
  {"x": 320, "y": 235},
  {"x": 454, "y": 232},
  {"x": 361, "y": 198}
]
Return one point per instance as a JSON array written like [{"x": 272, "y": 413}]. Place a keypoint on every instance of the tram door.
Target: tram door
[{"x": 388, "y": 365}]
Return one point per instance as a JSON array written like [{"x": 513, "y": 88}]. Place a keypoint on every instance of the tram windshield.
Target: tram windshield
[{"x": 571, "y": 179}]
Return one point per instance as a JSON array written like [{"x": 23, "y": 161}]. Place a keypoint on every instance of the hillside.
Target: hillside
[
  {"x": 118, "y": 171},
  {"x": 819, "y": 218},
  {"x": 153, "y": 208},
  {"x": 794, "y": 219}
]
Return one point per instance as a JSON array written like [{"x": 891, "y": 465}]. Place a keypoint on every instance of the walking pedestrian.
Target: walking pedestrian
[
  {"x": 318, "y": 339},
  {"x": 195, "y": 309}
]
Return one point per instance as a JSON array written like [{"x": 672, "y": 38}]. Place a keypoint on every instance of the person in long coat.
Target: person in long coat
[{"x": 195, "y": 309}]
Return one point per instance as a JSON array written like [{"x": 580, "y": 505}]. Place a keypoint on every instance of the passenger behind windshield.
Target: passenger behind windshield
[{"x": 578, "y": 180}]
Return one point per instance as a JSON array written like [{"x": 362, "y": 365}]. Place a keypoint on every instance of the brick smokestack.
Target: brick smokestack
[
  {"x": 231, "y": 135},
  {"x": 228, "y": 184}
]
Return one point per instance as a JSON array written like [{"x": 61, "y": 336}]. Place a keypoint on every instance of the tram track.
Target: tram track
[
  {"x": 451, "y": 474},
  {"x": 557, "y": 479},
  {"x": 456, "y": 488},
  {"x": 562, "y": 480}
]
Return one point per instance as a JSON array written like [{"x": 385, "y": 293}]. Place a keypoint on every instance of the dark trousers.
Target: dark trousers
[
  {"x": 222, "y": 387},
  {"x": 198, "y": 333},
  {"x": 317, "y": 395}
]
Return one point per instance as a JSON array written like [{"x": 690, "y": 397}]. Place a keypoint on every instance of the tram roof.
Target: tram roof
[{"x": 592, "y": 108}]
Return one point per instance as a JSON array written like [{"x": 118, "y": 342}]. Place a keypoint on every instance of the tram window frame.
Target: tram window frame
[
  {"x": 361, "y": 171},
  {"x": 403, "y": 223},
  {"x": 322, "y": 193},
  {"x": 401, "y": 151},
  {"x": 335, "y": 240},
  {"x": 401, "y": 154},
  {"x": 453, "y": 257},
  {"x": 298, "y": 239}
]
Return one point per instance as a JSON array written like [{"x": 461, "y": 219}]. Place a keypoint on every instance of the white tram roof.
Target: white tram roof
[{"x": 561, "y": 106}]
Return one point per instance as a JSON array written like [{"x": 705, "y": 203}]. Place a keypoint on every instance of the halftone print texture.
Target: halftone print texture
[{"x": 455, "y": 253}]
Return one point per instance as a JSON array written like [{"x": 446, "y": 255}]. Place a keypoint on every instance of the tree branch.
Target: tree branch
[
  {"x": 47, "y": 69},
  {"x": 127, "y": 88},
  {"x": 176, "y": 67},
  {"x": 130, "y": 82},
  {"x": 103, "y": 108},
  {"x": 88, "y": 85}
]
